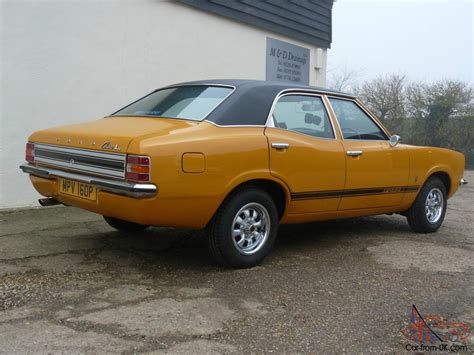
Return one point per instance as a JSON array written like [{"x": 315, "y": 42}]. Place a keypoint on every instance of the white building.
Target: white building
[{"x": 76, "y": 60}]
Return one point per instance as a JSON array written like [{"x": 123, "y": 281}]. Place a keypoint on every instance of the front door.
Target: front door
[
  {"x": 376, "y": 173},
  {"x": 305, "y": 153}
]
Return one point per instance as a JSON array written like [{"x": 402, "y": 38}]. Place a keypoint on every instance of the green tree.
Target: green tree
[
  {"x": 434, "y": 106},
  {"x": 385, "y": 95},
  {"x": 436, "y": 114}
]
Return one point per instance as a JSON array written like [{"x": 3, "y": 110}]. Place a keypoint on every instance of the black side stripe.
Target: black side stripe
[{"x": 312, "y": 195}]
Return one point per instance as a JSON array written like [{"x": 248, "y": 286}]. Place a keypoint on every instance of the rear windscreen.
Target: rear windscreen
[{"x": 186, "y": 102}]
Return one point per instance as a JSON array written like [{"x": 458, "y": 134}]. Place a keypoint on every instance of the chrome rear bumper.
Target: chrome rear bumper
[{"x": 135, "y": 190}]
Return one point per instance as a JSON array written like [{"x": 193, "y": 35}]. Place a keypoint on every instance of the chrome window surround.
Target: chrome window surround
[
  {"x": 369, "y": 115},
  {"x": 321, "y": 93},
  {"x": 70, "y": 154},
  {"x": 235, "y": 125},
  {"x": 179, "y": 86},
  {"x": 270, "y": 122}
]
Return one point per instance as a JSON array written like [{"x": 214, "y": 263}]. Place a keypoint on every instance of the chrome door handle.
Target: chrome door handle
[
  {"x": 354, "y": 153},
  {"x": 280, "y": 145}
]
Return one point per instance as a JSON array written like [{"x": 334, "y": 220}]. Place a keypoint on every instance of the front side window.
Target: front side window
[
  {"x": 186, "y": 102},
  {"x": 355, "y": 123},
  {"x": 303, "y": 114}
]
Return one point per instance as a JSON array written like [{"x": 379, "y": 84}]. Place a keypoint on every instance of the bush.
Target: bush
[{"x": 439, "y": 114}]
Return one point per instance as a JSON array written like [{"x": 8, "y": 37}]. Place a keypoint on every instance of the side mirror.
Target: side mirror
[{"x": 394, "y": 140}]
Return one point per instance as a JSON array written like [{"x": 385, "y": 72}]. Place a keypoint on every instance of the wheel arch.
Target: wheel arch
[
  {"x": 445, "y": 175},
  {"x": 445, "y": 179},
  {"x": 277, "y": 190},
  {"x": 445, "y": 164}
]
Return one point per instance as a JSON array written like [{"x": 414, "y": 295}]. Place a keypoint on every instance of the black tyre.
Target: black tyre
[
  {"x": 124, "y": 226},
  {"x": 244, "y": 229},
  {"x": 427, "y": 213}
]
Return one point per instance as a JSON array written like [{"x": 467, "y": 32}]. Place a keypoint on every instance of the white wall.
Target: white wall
[{"x": 69, "y": 61}]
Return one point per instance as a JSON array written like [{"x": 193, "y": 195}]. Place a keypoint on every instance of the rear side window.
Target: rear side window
[
  {"x": 303, "y": 114},
  {"x": 355, "y": 123},
  {"x": 186, "y": 102}
]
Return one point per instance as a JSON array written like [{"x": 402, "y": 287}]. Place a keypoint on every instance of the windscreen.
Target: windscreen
[{"x": 185, "y": 102}]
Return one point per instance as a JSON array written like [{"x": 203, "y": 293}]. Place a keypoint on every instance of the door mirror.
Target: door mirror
[{"x": 394, "y": 140}]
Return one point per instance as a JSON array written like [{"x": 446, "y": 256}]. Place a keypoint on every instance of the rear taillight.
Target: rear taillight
[
  {"x": 30, "y": 152},
  {"x": 138, "y": 168}
]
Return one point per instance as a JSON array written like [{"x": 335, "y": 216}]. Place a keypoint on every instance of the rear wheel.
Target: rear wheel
[
  {"x": 124, "y": 226},
  {"x": 427, "y": 213},
  {"x": 244, "y": 229}
]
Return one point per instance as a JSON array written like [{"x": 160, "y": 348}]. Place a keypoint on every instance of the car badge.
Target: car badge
[
  {"x": 71, "y": 161},
  {"x": 107, "y": 145}
]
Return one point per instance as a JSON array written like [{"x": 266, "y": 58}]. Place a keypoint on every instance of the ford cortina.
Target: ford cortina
[{"x": 238, "y": 158}]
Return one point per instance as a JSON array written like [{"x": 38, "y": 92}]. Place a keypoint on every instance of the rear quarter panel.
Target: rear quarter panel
[{"x": 232, "y": 156}]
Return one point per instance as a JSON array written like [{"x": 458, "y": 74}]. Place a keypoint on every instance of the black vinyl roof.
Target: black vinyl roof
[{"x": 251, "y": 101}]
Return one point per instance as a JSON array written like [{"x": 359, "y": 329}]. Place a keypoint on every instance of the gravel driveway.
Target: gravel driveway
[{"x": 69, "y": 283}]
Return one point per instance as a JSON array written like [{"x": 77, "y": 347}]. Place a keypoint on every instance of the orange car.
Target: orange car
[{"x": 239, "y": 157}]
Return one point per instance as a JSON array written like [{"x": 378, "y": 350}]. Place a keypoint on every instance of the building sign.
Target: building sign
[{"x": 287, "y": 62}]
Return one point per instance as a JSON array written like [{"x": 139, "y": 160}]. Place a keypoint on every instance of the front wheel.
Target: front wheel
[
  {"x": 244, "y": 229},
  {"x": 427, "y": 212}
]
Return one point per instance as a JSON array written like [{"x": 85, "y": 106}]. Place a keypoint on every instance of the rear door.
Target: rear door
[
  {"x": 376, "y": 173},
  {"x": 305, "y": 153}
]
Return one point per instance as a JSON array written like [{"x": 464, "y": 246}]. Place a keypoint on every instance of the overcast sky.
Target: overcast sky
[{"x": 426, "y": 40}]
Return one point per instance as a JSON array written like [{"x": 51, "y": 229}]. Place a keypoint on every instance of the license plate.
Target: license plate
[{"x": 78, "y": 189}]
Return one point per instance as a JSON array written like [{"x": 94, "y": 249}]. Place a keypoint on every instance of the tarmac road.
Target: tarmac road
[{"x": 71, "y": 284}]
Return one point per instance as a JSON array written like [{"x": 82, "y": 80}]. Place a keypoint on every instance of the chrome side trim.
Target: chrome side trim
[
  {"x": 235, "y": 125},
  {"x": 271, "y": 123},
  {"x": 125, "y": 188},
  {"x": 463, "y": 182}
]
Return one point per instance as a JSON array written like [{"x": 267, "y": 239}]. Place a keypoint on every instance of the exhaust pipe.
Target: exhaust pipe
[{"x": 46, "y": 202}]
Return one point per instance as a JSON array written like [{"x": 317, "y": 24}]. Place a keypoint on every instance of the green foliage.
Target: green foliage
[{"x": 439, "y": 114}]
